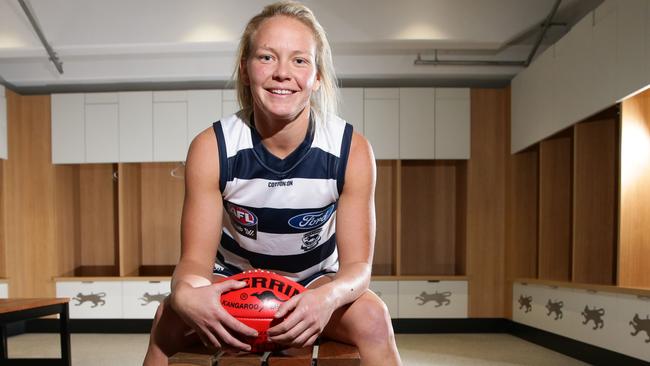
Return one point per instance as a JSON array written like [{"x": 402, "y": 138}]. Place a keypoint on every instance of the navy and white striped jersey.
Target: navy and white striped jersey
[{"x": 280, "y": 214}]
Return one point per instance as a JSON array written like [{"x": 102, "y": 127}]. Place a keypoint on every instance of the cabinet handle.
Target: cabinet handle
[
  {"x": 88, "y": 282},
  {"x": 592, "y": 291},
  {"x": 154, "y": 281},
  {"x": 433, "y": 281},
  {"x": 643, "y": 297}
]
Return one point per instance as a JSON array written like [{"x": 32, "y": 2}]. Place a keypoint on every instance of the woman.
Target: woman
[{"x": 283, "y": 185}]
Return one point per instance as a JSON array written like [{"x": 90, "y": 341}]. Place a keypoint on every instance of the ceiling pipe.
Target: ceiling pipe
[
  {"x": 32, "y": 19},
  {"x": 545, "y": 25}
]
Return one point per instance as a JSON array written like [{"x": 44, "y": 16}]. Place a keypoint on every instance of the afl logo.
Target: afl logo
[
  {"x": 310, "y": 220},
  {"x": 242, "y": 215}
]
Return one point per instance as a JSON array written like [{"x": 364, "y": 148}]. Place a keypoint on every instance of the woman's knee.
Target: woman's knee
[{"x": 374, "y": 322}]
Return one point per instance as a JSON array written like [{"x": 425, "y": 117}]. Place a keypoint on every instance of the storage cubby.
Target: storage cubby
[
  {"x": 86, "y": 219},
  {"x": 555, "y": 182},
  {"x": 432, "y": 215},
  {"x": 595, "y": 203},
  {"x": 635, "y": 192},
  {"x": 386, "y": 209},
  {"x": 563, "y": 204},
  {"x": 151, "y": 200}
]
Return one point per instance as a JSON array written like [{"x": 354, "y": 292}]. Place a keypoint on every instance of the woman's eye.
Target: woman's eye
[
  {"x": 301, "y": 61},
  {"x": 265, "y": 57}
]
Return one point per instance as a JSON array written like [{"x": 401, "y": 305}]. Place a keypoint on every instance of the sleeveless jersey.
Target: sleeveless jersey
[{"x": 280, "y": 214}]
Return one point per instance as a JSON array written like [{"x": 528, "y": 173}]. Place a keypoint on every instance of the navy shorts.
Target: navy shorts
[{"x": 219, "y": 270}]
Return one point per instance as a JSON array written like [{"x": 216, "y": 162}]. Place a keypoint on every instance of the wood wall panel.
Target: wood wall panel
[
  {"x": 67, "y": 218},
  {"x": 428, "y": 218},
  {"x": 486, "y": 174},
  {"x": 130, "y": 218},
  {"x": 3, "y": 239},
  {"x": 162, "y": 205},
  {"x": 634, "y": 237},
  {"x": 555, "y": 206},
  {"x": 97, "y": 205},
  {"x": 595, "y": 201},
  {"x": 385, "y": 239},
  {"x": 522, "y": 216},
  {"x": 28, "y": 184}
]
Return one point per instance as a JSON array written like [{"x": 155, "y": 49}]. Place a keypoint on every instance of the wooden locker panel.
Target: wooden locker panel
[
  {"x": 102, "y": 133},
  {"x": 595, "y": 202},
  {"x": 169, "y": 131},
  {"x": 634, "y": 242},
  {"x": 68, "y": 128},
  {"x": 97, "y": 219},
  {"x": 3, "y": 125},
  {"x": 385, "y": 211},
  {"x": 452, "y": 135},
  {"x": 162, "y": 204},
  {"x": 352, "y": 107},
  {"x": 417, "y": 128},
  {"x": 136, "y": 127},
  {"x": 555, "y": 203},
  {"x": 428, "y": 218},
  {"x": 130, "y": 218}
]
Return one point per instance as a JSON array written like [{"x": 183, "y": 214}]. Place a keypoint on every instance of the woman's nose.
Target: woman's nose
[{"x": 281, "y": 71}]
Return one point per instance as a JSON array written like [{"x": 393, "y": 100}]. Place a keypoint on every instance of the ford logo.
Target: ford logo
[{"x": 310, "y": 220}]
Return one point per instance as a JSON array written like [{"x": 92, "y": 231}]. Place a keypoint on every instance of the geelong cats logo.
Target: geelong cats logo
[
  {"x": 641, "y": 325},
  {"x": 555, "y": 307},
  {"x": 594, "y": 314},
  {"x": 525, "y": 301},
  {"x": 441, "y": 298},
  {"x": 310, "y": 239},
  {"x": 148, "y": 298},
  {"x": 311, "y": 220},
  {"x": 96, "y": 299}
]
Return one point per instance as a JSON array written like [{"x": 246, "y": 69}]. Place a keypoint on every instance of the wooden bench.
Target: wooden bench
[
  {"x": 13, "y": 310},
  {"x": 328, "y": 353}
]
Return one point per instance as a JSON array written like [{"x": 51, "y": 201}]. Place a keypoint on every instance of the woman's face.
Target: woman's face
[{"x": 281, "y": 69}]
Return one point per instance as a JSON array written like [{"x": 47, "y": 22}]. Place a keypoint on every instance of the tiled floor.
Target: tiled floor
[{"x": 416, "y": 349}]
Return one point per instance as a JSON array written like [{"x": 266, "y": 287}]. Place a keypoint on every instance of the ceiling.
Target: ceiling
[{"x": 135, "y": 44}]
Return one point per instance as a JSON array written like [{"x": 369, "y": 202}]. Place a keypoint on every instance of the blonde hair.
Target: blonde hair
[{"x": 324, "y": 101}]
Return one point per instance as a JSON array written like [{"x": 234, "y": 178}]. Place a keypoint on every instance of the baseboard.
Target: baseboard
[
  {"x": 579, "y": 350},
  {"x": 570, "y": 347}
]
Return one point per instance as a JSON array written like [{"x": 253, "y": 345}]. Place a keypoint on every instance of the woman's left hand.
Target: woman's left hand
[{"x": 309, "y": 313}]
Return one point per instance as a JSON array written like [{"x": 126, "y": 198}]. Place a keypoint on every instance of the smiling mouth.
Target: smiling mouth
[{"x": 281, "y": 91}]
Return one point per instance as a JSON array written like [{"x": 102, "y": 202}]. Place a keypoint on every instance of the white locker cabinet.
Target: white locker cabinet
[
  {"x": 633, "y": 317},
  {"x": 170, "y": 96},
  {"x": 4, "y": 290},
  {"x": 388, "y": 293},
  {"x": 592, "y": 317},
  {"x": 3, "y": 124},
  {"x": 68, "y": 128},
  {"x": 140, "y": 299},
  {"x": 604, "y": 57},
  {"x": 92, "y": 299},
  {"x": 169, "y": 131},
  {"x": 229, "y": 105},
  {"x": 102, "y": 133},
  {"x": 630, "y": 46},
  {"x": 381, "y": 121},
  {"x": 432, "y": 299},
  {"x": 352, "y": 107},
  {"x": 102, "y": 98},
  {"x": 203, "y": 109},
  {"x": 573, "y": 67},
  {"x": 452, "y": 135},
  {"x": 136, "y": 127},
  {"x": 417, "y": 123}
]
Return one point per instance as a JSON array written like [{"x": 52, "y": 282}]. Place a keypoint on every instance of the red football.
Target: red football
[{"x": 255, "y": 304}]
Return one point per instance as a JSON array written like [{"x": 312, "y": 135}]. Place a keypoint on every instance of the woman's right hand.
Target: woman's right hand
[{"x": 200, "y": 308}]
